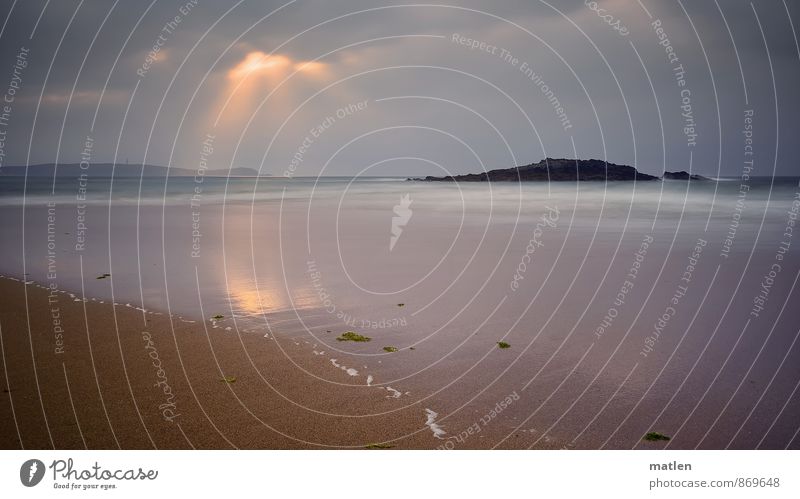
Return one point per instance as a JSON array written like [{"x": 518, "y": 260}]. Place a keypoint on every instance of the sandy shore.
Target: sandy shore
[{"x": 102, "y": 388}]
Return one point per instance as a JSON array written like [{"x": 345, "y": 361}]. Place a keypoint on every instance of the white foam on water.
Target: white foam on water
[
  {"x": 437, "y": 430},
  {"x": 393, "y": 393},
  {"x": 348, "y": 370}
]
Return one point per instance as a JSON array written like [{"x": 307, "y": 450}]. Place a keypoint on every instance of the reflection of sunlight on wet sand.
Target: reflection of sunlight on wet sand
[
  {"x": 254, "y": 266},
  {"x": 248, "y": 300},
  {"x": 269, "y": 298}
]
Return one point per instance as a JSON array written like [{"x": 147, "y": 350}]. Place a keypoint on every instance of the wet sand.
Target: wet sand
[
  {"x": 101, "y": 388},
  {"x": 105, "y": 392}
]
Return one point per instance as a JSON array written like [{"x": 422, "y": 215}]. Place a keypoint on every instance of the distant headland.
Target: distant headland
[
  {"x": 101, "y": 170},
  {"x": 559, "y": 170}
]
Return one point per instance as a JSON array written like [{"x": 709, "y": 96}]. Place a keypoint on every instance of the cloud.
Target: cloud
[{"x": 258, "y": 63}]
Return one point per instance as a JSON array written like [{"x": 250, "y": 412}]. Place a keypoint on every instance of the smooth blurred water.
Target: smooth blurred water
[{"x": 266, "y": 230}]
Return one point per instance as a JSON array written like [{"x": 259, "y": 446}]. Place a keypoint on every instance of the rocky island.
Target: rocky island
[
  {"x": 682, "y": 175},
  {"x": 554, "y": 170}
]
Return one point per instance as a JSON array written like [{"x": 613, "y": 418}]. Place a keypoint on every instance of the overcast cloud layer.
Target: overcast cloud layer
[{"x": 259, "y": 76}]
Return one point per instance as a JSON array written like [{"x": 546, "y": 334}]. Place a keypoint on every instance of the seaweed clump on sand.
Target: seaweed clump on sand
[
  {"x": 503, "y": 344},
  {"x": 390, "y": 349},
  {"x": 351, "y": 336},
  {"x": 654, "y": 436}
]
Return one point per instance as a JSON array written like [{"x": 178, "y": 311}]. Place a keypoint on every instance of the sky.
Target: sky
[{"x": 309, "y": 87}]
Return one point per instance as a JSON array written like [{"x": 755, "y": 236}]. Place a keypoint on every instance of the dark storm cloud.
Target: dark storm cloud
[{"x": 591, "y": 69}]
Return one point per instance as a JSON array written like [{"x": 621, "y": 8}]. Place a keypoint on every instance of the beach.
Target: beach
[
  {"x": 148, "y": 316},
  {"x": 138, "y": 381}
]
